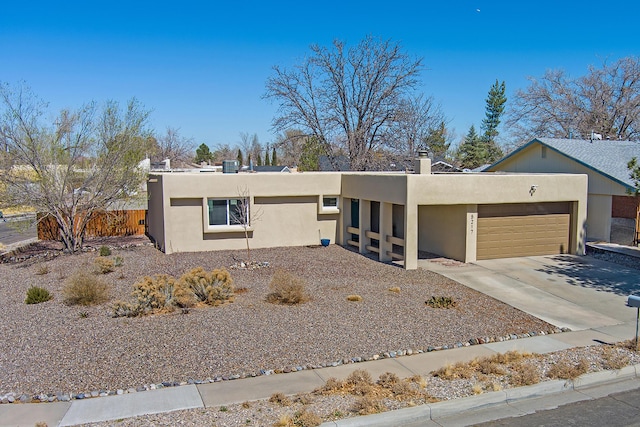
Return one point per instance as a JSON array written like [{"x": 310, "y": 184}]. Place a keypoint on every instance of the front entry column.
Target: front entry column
[
  {"x": 386, "y": 229},
  {"x": 365, "y": 224}
]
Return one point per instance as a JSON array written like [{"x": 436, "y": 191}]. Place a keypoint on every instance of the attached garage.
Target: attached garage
[{"x": 514, "y": 230}]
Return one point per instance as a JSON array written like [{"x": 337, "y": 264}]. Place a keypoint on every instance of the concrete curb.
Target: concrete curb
[{"x": 434, "y": 411}]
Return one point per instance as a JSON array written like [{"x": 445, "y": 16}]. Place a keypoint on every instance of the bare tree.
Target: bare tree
[
  {"x": 606, "y": 101},
  {"x": 244, "y": 215},
  {"x": 416, "y": 119},
  {"x": 350, "y": 97},
  {"x": 87, "y": 160},
  {"x": 174, "y": 147}
]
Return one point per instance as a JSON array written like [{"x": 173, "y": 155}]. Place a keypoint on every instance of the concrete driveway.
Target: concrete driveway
[{"x": 577, "y": 292}]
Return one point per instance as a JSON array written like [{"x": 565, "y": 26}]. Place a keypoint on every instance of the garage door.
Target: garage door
[{"x": 514, "y": 230}]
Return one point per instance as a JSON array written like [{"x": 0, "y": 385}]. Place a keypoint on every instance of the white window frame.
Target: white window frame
[
  {"x": 328, "y": 208},
  {"x": 229, "y": 226}
]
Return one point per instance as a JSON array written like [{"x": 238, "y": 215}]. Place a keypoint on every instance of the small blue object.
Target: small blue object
[{"x": 325, "y": 242}]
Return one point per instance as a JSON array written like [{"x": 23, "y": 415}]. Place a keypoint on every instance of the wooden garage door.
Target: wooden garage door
[{"x": 514, "y": 230}]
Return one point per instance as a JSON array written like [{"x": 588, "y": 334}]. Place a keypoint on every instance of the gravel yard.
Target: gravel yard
[{"x": 51, "y": 347}]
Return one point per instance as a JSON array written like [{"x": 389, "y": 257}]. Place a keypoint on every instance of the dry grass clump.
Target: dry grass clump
[
  {"x": 306, "y": 418},
  {"x": 287, "y": 288},
  {"x": 613, "y": 358},
  {"x": 395, "y": 289},
  {"x": 280, "y": 399},
  {"x": 510, "y": 364},
  {"x": 354, "y": 298},
  {"x": 367, "y": 405},
  {"x": 371, "y": 395},
  {"x": 441, "y": 302},
  {"x": 567, "y": 370},
  {"x": 42, "y": 269},
  {"x": 102, "y": 265},
  {"x": 84, "y": 288},
  {"x": 524, "y": 374}
]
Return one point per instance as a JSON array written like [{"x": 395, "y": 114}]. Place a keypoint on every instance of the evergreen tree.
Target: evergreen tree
[
  {"x": 494, "y": 109},
  {"x": 310, "y": 156},
  {"x": 274, "y": 159},
  {"x": 203, "y": 154},
  {"x": 259, "y": 160},
  {"x": 249, "y": 159},
  {"x": 472, "y": 152},
  {"x": 240, "y": 158},
  {"x": 436, "y": 142},
  {"x": 266, "y": 157}
]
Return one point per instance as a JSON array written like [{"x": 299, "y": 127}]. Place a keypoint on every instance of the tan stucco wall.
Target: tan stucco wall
[
  {"x": 442, "y": 230},
  {"x": 600, "y": 188},
  {"x": 286, "y": 206}
]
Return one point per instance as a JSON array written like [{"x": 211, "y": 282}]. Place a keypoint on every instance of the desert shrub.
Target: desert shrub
[
  {"x": 332, "y": 385},
  {"x": 36, "y": 295},
  {"x": 161, "y": 293},
  {"x": 105, "y": 251},
  {"x": 84, "y": 288},
  {"x": 524, "y": 374},
  {"x": 280, "y": 399},
  {"x": 213, "y": 288},
  {"x": 285, "y": 420},
  {"x": 287, "y": 288},
  {"x": 387, "y": 380},
  {"x": 118, "y": 261},
  {"x": 567, "y": 371},
  {"x": 103, "y": 265},
  {"x": 441, "y": 302},
  {"x": 367, "y": 405},
  {"x": 125, "y": 309},
  {"x": 456, "y": 371},
  {"x": 477, "y": 389},
  {"x": 354, "y": 298},
  {"x": 304, "y": 418},
  {"x": 613, "y": 359}
]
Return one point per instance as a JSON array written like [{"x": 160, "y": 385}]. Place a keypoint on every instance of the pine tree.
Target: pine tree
[
  {"x": 240, "y": 158},
  {"x": 274, "y": 159},
  {"x": 436, "y": 142},
  {"x": 472, "y": 152},
  {"x": 494, "y": 109},
  {"x": 259, "y": 161},
  {"x": 203, "y": 154},
  {"x": 266, "y": 157}
]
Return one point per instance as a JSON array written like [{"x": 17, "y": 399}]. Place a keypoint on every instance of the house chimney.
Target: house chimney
[{"x": 422, "y": 165}]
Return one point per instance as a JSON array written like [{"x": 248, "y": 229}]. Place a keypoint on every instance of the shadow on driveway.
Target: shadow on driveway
[{"x": 588, "y": 272}]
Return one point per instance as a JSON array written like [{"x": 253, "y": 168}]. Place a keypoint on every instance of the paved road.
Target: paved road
[
  {"x": 620, "y": 409},
  {"x": 15, "y": 231}
]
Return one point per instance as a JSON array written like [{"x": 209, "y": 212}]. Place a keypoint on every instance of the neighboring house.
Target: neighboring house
[
  {"x": 611, "y": 211},
  {"x": 396, "y": 215},
  {"x": 442, "y": 166}
]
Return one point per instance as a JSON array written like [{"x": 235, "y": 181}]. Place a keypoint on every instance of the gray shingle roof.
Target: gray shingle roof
[{"x": 609, "y": 157}]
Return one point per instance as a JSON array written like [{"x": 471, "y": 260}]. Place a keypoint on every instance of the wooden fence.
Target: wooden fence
[{"x": 102, "y": 224}]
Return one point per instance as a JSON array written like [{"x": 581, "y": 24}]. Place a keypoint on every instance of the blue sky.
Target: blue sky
[{"x": 202, "y": 66}]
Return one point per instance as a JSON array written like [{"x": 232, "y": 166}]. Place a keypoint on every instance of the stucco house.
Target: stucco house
[
  {"x": 396, "y": 215},
  {"x": 611, "y": 211}
]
